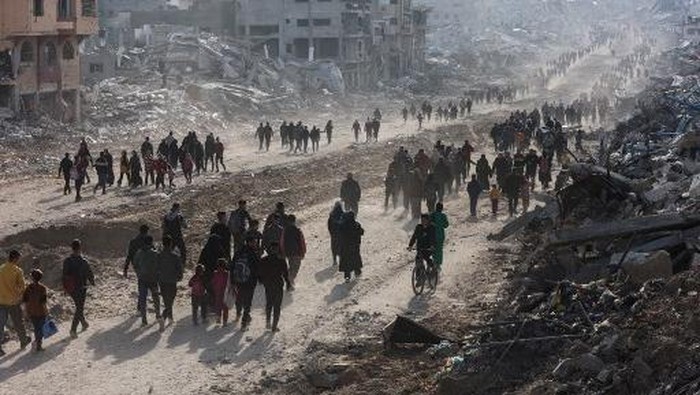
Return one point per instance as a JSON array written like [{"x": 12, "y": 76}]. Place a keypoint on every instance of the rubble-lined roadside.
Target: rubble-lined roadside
[{"x": 602, "y": 296}]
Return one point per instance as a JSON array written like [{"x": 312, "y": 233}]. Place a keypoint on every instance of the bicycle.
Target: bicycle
[{"x": 423, "y": 273}]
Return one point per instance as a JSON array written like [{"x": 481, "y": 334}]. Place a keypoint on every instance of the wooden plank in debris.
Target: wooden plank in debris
[{"x": 624, "y": 228}]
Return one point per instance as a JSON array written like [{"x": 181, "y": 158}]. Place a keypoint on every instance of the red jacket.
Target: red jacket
[{"x": 197, "y": 286}]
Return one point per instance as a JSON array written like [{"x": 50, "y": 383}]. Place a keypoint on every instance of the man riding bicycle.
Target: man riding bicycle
[{"x": 424, "y": 240}]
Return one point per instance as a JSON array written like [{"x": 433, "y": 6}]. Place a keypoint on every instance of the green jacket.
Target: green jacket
[
  {"x": 146, "y": 264},
  {"x": 441, "y": 223}
]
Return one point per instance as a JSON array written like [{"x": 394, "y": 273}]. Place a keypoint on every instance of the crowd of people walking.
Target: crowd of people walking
[{"x": 148, "y": 165}]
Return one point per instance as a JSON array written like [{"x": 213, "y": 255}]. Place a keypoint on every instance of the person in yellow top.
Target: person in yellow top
[{"x": 11, "y": 291}]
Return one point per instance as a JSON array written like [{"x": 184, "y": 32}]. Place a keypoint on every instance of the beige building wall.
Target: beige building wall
[{"x": 44, "y": 47}]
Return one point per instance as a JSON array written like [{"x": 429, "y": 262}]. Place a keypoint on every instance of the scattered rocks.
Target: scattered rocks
[
  {"x": 658, "y": 265},
  {"x": 587, "y": 364}
]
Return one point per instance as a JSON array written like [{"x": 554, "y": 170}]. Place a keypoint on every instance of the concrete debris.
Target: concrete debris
[
  {"x": 406, "y": 331},
  {"x": 611, "y": 279},
  {"x": 587, "y": 364},
  {"x": 656, "y": 266}
]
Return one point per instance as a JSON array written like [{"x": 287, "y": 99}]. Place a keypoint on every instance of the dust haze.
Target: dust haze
[{"x": 590, "y": 289}]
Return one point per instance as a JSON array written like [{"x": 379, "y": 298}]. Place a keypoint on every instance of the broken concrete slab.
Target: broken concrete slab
[
  {"x": 587, "y": 364},
  {"x": 658, "y": 265},
  {"x": 624, "y": 228},
  {"x": 549, "y": 212},
  {"x": 406, "y": 331}
]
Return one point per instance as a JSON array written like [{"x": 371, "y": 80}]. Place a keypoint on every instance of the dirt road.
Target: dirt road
[{"x": 116, "y": 356}]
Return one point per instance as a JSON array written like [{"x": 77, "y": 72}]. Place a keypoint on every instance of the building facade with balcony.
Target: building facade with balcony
[{"x": 39, "y": 57}]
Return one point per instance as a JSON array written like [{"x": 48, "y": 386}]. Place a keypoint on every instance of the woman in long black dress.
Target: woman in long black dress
[
  {"x": 334, "y": 220},
  {"x": 351, "y": 238}
]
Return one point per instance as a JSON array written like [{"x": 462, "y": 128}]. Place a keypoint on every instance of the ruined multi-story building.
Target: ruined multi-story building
[
  {"x": 39, "y": 58},
  {"x": 369, "y": 40}
]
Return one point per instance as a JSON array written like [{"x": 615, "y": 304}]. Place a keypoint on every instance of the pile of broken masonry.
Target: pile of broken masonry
[{"x": 603, "y": 298}]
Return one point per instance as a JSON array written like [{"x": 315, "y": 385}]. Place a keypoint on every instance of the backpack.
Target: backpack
[
  {"x": 273, "y": 231},
  {"x": 241, "y": 270}
]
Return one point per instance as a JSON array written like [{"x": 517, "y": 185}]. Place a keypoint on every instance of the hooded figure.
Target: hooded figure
[
  {"x": 335, "y": 220},
  {"x": 483, "y": 172},
  {"x": 351, "y": 233}
]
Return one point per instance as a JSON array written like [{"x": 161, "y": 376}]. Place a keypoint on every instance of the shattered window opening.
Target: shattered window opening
[
  {"x": 322, "y": 22},
  {"x": 89, "y": 8},
  {"x": 5, "y": 65},
  {"x": 38, "y": 7},
  {"x": 26, "y": 53},
  {"x": 263, "y": 30},
  {"x": 50, "y": 55},
  {"x": 65, "y": 9},
  {"x": 68, "y": 51}
]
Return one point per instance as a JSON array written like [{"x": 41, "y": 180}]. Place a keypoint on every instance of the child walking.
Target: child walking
[
  {"x": 219, "y": 282},
  {"x": 35, "y": 297},
  {"x": 495, "y": 196},
  {"x": 197, "y": 291}
]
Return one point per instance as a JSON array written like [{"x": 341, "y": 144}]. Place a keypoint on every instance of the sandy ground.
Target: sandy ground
[{"x": 116, "y": 356}]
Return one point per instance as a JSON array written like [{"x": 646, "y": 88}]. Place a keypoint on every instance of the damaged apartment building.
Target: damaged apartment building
[
  {"x": 369, "y": 40},
  {"x": 39, "y": 57}
]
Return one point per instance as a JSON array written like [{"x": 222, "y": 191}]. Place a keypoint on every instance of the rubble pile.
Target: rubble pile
[
  {"x": 37, "y": 134},
  {"x": 603, "y": 297}
]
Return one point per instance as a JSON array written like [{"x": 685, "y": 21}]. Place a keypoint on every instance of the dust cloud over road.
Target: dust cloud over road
[{"x": 321, "y": 319}]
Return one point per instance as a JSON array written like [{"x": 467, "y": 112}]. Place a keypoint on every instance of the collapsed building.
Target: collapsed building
[
  {"x": 39, "y": 58},
  {"x": 369, "y": 40}
]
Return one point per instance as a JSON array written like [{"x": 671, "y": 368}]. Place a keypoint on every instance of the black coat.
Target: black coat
[
  {"x": 351, "y": 238},
  {"x": 212, "y": 251},
  {"x": 474, "y": 188},
  {"x": 350, "y": 191},
  {"x": 335, "y": 220},
  {"x": 224, "y": 233}
]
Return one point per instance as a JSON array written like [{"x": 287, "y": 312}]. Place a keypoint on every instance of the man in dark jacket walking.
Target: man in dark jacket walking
[
  {"x": 273, "y": 274},
  {"x": 512, "y": 184},
  {"x": 173, "y": 224},
  {"x": 102, "y": 169},
  {"x": 474, "y": 190},
  {"x": 238, "y": 222},
  {"x": 169, "y": 274},
  {"x": 244, "y": 273},
  {"x": 351, "y": 233},
  {"x": 483, "y": 172},
  {"x": 221, "y": 229},
  {"x": 64, "y": 169},
  {"x": 209, "y": 257},
  {"x": 146, "y": 268},
  {"x": 135, "y": 245},
  {"x": 501, "y": 168},
  {"x": 293, "y": 247},
  {"x": 350, "y": 194},
  {"x": 531, "y": 162},
  {"x": 76, "y": 276}
]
